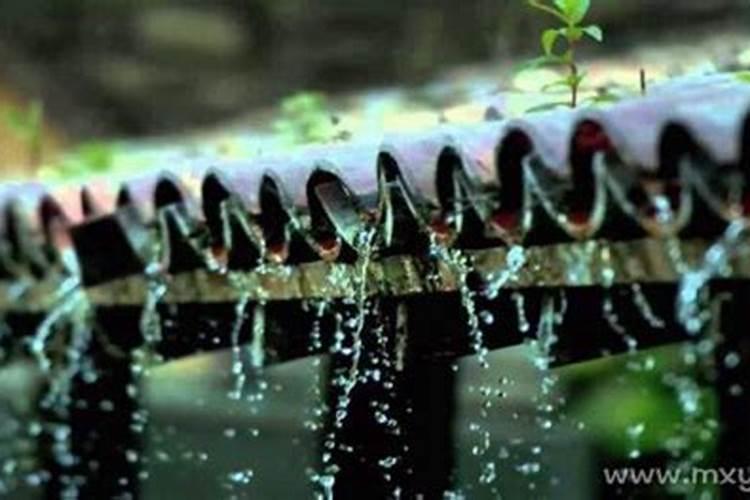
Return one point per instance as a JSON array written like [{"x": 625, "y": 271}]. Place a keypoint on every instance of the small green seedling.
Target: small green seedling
[
  {"x": 27, "y": 124},
  {"x": 571, "y": 13}
]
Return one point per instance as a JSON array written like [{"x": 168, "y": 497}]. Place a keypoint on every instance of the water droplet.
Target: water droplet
[{"x": 732, "y": 360}]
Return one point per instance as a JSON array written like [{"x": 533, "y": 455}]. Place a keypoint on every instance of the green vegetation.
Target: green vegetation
[
  {"x": 304, "y": 119},
  {"x": 571, "y": 14},
  {"x": 615, "y": 394},
  {"x": 84, "y": 159},
  {"x": 27, "y": 124}
]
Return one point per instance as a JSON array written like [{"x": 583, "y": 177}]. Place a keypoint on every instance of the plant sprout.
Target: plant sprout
[{"x": 571, "y": 13}]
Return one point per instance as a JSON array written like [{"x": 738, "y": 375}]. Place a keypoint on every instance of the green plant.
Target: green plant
[
  {"x": 85, "y": 159},
  {"x": 27, "y": 124},
  {"x": 305, "y": 118},
  {"x": 571, "y": 13}
]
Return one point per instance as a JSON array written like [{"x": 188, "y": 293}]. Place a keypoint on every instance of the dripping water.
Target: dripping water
[
  {"x": 665, "y": 215},
  {"x": 238, "y": 366},
  {"x": 354, "y": 325},
  {"x": 318, "y": 410},
  {"x": 461, "y": 265},
  {"x": 68, "y": 299},
  {"x": 542, "y": 358},
  {"x": 692, "y": 297},
  {"x": 607, "y": 278},
  {"x": 520, "y": 301},
  {"x": 150, "y": 321},
  {"x": 70, "y": 315},
  {"x": 634, "y": 433},
  {"x": 349, "y": 325},
  {"x": 695, "y": 315},
  {"x": 644, "y": 307}
]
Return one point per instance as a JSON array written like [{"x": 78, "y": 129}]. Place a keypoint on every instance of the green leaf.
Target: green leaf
[
  {"x": 549, "y": 37},
  {"x": 537, "y": 4},
  {"x": 26, "y": 123},
  {"x": 595, "y": 32},
  {"x": 574, "y": 10}
]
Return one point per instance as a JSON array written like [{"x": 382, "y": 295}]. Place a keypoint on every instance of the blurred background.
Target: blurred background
[
  {"x": 121, "y": 69},
  {"x": 88, "y": 86}
]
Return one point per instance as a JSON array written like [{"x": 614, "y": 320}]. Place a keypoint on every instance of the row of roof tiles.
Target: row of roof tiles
[{"x": 445, "y": 178}]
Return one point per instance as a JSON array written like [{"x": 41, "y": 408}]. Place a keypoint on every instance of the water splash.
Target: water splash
[
  {"x": 326, "y": 483},
  {"x": 319, "y": 408},
  {"x": 515, "y": 259},
  {"x": 355, "y": 325},
  {"x": 238, "y": 366},
  {"x": 694, "y": 313},
  {"x": 692, "y": 298},
  {"x": 385, "y": 363},
  {"x": 258, "y": 345},
  {"x": 68, "y": 299},
  {"x": 578, "y": 262},
  {"x": 607, "y": 279},
  {"x": 523, "y": 322},
  {"x": 349, "y": 327},
  {"x": 453, "y": 495},
  {"x": 320, "y": 308},
  {"x": 634, "y": 433},
  {"x": 71, "y": 317},
  {"x": 546, "y": 336},
  {"x": 644, "y": 307},
  {"x": 695, "y": 424},
  {"x": 241, "y": 477},
  {"x": 461, "y": 265},
  {"x": 257, "y": 355},
  {"x": 541, "y": 356},
  {"x": 150, "y": 321},
  {"x": 665, "y": 215}
]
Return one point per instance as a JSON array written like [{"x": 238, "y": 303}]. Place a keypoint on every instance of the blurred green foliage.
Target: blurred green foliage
[
  {"x": 626, "y": 403},
  {"x": 27, "y": 123},
  {"x": 85, "y": 159},
  {"x": 304, "y": 118}
]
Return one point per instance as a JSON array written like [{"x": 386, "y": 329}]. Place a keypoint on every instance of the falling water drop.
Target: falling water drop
[
  {"x": 644, "y": 307},
  {"x": 523, "y": 322},
  {"x": 634, "y": 433},
  {"x": 692, "y": 309},
  {"x": 238, "y": 368}
]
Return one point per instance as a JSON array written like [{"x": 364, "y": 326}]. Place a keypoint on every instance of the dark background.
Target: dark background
[{"x": 140, "y": 67}]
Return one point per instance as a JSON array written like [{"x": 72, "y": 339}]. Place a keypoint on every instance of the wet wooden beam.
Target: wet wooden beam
[{"x": 555, "y": 266}]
